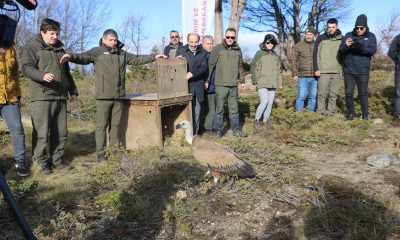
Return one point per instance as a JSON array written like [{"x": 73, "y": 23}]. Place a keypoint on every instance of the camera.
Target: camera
[{"x": 10, "y": 16}]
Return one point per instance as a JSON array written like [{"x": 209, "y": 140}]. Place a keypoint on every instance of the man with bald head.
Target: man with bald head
[{"x": 197, "y": 72}]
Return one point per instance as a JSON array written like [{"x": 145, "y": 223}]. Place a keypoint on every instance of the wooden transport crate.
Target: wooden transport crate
[{"x": 148, "y": 118}]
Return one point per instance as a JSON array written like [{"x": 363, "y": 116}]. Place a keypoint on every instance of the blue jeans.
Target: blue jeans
[
  {"x": 12, "y": 115},
  {"x": 306, "y": 85}
]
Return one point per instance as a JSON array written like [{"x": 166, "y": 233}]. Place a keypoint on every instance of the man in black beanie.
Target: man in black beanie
[{"x": 356, "y": 50}]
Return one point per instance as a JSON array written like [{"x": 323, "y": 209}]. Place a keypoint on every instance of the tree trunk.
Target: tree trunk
[
  {"x": 237, "y": 7},
  {"x": 296, "y": 21},
  {"x": 218, "y": 27}
]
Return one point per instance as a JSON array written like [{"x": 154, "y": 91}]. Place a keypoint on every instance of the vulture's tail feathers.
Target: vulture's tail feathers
[{"x": 246, "y": 170}]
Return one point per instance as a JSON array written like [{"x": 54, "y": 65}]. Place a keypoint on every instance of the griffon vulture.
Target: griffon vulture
[{"x": 219, "y": 159}]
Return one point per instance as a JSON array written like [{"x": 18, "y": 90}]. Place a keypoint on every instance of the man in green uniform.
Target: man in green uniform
[{"x": 110, "y": 62}]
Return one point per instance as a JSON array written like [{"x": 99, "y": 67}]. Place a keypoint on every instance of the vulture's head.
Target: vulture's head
[{"x": 183, "y": 125}]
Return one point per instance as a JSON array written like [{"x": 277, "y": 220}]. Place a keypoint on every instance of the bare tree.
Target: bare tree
[
  {"x": 289, "y": 18},
  {"x": 387, "y": 29},
  {"x": 80, "y": 21},
  {"x": 273, "y": 15},
  {"x": 133, "y": 32},
  {"x": 92, "y": 18}
]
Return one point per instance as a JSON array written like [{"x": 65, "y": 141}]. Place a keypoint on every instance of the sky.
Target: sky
[{"x": 163, "y": 15}]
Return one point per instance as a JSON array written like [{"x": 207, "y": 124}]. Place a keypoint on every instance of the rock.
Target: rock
[
  {"x": 181, "y": 195},
  {"x": 286, "y": 214},
  {"x": 377, "y": 121},
  {"x": 382, "y": 160}
]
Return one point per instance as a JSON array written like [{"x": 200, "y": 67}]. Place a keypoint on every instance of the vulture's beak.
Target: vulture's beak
[{"x": 178, "y": 126}]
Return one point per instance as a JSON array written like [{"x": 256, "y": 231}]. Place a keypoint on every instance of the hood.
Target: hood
[
  {"x": 262, "y": 47},
  {"x": 234, "y": 46},
  {"x": 39, "y": 43},
  {"x": 120, "y": 45},
  {"x": 337, "y": 35}
]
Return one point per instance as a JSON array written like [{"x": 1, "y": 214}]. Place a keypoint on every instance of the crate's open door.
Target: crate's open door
[{"x": 171, "y": 81}]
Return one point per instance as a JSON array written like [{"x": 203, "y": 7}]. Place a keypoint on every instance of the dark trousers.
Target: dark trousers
[
  {"x": 350, "y": 81},
  {"x": 397, "y": 94},
  {"x": 108, "y": 115},
  {"x": 49, "y": 122},
  {"x": 229, "y": 94}
]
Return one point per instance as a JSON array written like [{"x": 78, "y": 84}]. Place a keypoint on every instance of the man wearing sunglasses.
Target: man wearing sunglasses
[
  {"x": 226, "y": 59},
  {"x": 174, "y": 44},
  {"x": 356, "y": 51}
]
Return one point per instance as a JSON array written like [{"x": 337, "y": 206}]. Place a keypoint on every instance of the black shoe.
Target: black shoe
[
  {"x": 101, "y": 157},
  {"x": 350, "y": 116},
  {"x": 365, "y": 117},
  {"x": 21, "y": 168},
  {"x": 218, "y": 134},
  {"x": 239, "y": 133}
]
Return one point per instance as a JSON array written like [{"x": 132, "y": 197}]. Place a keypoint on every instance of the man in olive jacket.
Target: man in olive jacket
[
  {"x": 50, "y": 85},
  {"x": 327, "y": 67},
  {"x": 226, "y": 59},
  {"x": 110, "y": 62}
]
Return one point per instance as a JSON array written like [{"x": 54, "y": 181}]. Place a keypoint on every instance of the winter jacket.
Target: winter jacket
[
  {"x": 110, "y": 67},
  {"x": 394, "y": 51},
  {"x": 266, "y": 69},
  {"x": 357, "y": 58},
  {"x": 170, "y": 50},
  {"x": 302, "y": 59},
  {"x": 10, "y": 90},
  {"x": 37, "y": 59},
  {"x": 325, "y": 55},
  {"x": 228, "y": 63},
  {"x": 197, "y": 64}
]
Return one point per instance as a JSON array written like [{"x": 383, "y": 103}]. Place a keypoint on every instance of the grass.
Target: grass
[{"x": 157, "y": 194}]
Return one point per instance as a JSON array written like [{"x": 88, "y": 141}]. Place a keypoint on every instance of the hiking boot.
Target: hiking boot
[
  {"x": 256, "y": 124},
  {"x": 365, "y": 117},
  {"x": 46, "y": 169},
  {"x": 218, "y": 134},
  {"x": 101, "y": 157},
  {"x": 349, "y": 116},
  {"x": 21, "y": 168},
  {"x": 62, "y": 166},
  {"x": 239, "y": 133}
]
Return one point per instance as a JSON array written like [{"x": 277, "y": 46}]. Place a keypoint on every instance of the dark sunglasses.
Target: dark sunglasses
[
  {"x": 269, "y": 43},
  {"x": 174, "y": 36},
  {"x": 230, "y": 37},
  {"x": 360, "y": 28}
]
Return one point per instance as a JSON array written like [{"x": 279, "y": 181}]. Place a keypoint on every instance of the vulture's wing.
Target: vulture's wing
[{"x": 220, "y": 158}]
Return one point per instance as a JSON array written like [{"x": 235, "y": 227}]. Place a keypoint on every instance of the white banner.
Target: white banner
[{"x": 198, "y": 17}]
